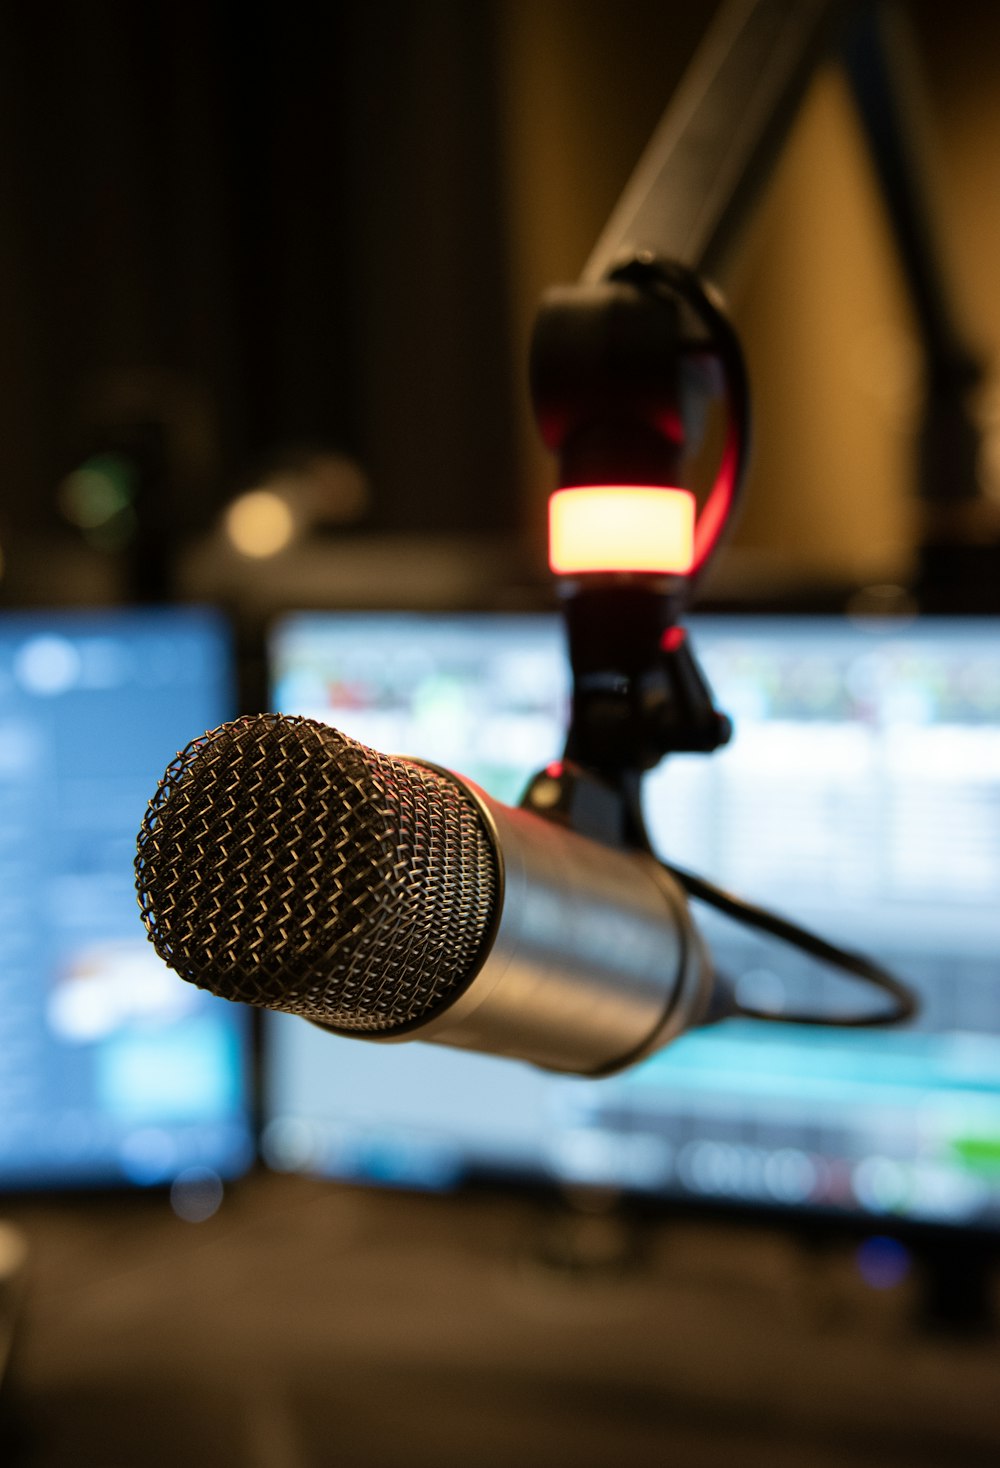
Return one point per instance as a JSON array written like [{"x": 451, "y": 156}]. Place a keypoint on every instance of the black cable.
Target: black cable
[{"x": 856, "y": 964}]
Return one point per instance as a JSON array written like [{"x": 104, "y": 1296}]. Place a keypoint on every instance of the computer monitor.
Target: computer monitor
[
  {"x": 112, "y": 1070},
  {"x": 860, "y": 795}
]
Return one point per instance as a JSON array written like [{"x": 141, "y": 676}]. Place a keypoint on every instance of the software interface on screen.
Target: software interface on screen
[
  {"x": 861, "y": 795},
  {"x": 112, "y": 1070}
]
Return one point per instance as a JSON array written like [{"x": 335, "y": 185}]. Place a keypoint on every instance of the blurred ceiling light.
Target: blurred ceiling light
[
  {"x": 260, "y": 523},
  {"x": 322, "y": 489},
  {"x": 310, "y": 491}
]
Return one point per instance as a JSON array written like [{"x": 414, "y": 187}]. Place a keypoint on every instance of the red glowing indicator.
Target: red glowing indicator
[{"x": 621, "y": 528}]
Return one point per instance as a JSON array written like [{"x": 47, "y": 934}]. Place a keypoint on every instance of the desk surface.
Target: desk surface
[{"x": 308, "y": 1324}]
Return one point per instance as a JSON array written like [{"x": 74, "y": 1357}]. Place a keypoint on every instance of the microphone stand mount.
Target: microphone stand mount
[{"x": 624, "y": 373}]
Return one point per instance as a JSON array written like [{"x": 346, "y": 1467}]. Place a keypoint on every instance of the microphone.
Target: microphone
[{"x": 285, "y": 865}]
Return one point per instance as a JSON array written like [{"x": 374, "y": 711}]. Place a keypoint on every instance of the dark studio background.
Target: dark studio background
[
  {"x": 235, "y": 238},
  {"x": 301, "y": 247},
  {"x": 259, "y": 230}
]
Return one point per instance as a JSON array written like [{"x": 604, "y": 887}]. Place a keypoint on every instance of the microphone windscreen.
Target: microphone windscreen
[{"x": 282, "y": 864}]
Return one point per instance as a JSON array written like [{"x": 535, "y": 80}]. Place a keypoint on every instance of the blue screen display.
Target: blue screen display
[
  {"x": 860, "y": 796},
  {"x": 112, "y": 1070}
]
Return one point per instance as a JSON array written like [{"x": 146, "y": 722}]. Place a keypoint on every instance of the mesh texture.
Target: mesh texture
[{"x": 284, "y": 865}]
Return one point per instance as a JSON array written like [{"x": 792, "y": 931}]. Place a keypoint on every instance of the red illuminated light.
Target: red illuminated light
[{"x": 621, "y": 528}]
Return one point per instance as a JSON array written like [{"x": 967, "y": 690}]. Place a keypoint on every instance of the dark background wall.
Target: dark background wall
[
  {"x": 262, "y": 227},
  {"x": 234, "y": 235}
]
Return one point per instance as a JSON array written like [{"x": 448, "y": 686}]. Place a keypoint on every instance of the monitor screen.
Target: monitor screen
[
  {"x": 112, "y": 1070},
  {"x": 860, "y": 795}
]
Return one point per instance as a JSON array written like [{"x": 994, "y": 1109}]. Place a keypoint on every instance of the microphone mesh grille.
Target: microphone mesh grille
[{"x": 282, "y": 864}]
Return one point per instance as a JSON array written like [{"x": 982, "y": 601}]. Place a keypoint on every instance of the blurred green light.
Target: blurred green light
[
  {"x": 98, "y": 492},
  {"x": 979, "y": 1153}
]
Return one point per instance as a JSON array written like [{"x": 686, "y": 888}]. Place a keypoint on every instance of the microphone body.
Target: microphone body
[
  {"x": 593, "y": 961},
  {"x": 284, "y": 865}
]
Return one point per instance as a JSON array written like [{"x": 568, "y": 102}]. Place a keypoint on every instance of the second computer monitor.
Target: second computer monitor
[{"x": 860, "y": 795}]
